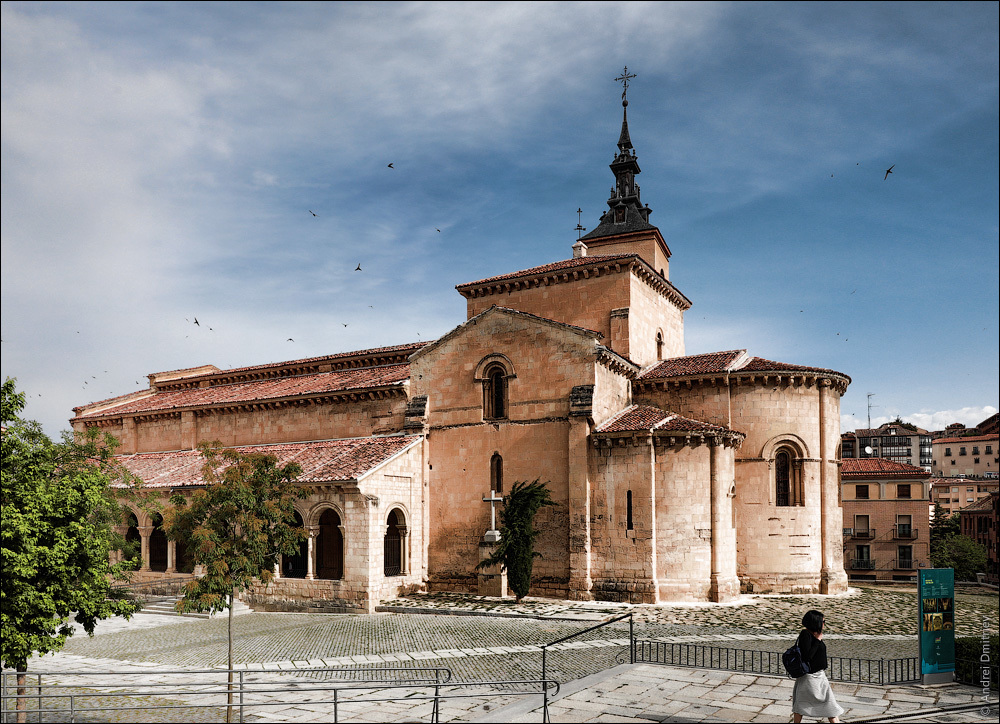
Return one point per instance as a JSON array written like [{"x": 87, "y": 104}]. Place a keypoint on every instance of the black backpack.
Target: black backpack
[{"x": 794, "y": 665}]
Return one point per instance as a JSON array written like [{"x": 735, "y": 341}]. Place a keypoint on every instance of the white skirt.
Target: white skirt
[{"x": 812, "y": 696}]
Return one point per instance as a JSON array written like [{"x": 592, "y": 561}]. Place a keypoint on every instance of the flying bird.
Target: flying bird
[
  {"x": 312, "y": 212},
  {"x": 359, "y": 268},
  {"x": 197, "y": 322},
  {"x": 391, "y": 166},
  {"x": 289, "y": 340},
  {"x": 889, "y": 171},
  {"x": 437, "y": 230}
]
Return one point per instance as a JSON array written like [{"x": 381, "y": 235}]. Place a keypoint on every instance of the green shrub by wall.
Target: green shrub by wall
[{"x": 969, "y": 663}]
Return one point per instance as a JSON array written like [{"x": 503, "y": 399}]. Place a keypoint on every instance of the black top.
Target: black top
[{"x": 813, "y": 651}]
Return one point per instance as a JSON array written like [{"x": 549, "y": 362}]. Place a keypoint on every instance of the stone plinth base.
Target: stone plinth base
[
  {"x": 723, "y": 588},
  {"x": 492, "y": 580}
]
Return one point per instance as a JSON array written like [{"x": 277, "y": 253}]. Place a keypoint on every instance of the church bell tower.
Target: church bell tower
[{"x": 624, "y": 228}]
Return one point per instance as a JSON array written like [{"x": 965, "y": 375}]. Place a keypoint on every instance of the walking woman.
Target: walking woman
[{"x": 812, "y": 695}]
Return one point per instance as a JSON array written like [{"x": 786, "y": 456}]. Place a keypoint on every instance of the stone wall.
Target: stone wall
[{"x": 547, "y": 361}]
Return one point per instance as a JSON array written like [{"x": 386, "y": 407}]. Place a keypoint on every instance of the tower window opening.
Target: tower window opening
[
  {"x": 496, "y": 474},
  {"x": 495, "y": 393}
]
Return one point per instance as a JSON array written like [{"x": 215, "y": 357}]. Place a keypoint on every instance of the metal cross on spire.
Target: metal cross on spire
[
  {"x": 624, "y": 78},
  {"x": 580, "y": 228}
]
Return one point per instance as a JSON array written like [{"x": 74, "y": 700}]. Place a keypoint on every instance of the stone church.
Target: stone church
[{"x": 676, "y": 477}]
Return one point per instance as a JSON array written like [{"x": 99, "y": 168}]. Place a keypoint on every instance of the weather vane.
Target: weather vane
[
  {"x": 624, "y": 78},
  {"x": 579, "y": 224}
]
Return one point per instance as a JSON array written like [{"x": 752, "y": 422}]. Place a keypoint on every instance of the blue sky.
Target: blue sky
[{"x": 160, "y": 162}]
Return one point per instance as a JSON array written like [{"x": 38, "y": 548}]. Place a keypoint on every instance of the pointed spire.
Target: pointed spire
[
  {"x": 626, "y": 212},
  {"x": 624, "y": 142}
]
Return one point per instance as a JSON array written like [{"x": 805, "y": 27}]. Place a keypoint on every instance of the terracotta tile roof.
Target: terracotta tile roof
[
  {"x": 695, "y": 364},
  {"x": 970, "y": 438},
  {"x": 984, "y": 503},
  {"x": 878, "y": 468},
  {"x": 410, "y": 347},
  {"x": 640, "y": 418},
  {"x": 548, "y": 268},
  {"x": 262, "y": 390},
  {"x": 323, "y": 461},
  {"x": 759, "y": 364},
  {"x": 734, "y": 360}
]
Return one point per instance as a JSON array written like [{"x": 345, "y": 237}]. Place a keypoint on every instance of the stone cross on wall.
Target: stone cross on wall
[{"x": 492, "y": 535}]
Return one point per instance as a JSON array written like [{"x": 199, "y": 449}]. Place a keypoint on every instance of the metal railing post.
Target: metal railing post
[
  {"x": 335, "y": 706},
  {"x": 544, "y": 670},
  {"x": 241, "y": 695},
  {"x": 631, "y": 639}
]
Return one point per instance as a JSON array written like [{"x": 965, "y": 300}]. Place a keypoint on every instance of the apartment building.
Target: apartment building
[
  {"x": 886, "y": 518},
  {"x": 891, "y": 441}
]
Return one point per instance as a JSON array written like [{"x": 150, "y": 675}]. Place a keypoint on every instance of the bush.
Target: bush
[{"x": 969, "y": 665}]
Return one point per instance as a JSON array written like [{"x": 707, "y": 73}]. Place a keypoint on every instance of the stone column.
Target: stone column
[
  {"x": 578, "y": 498},
  {"x": 129, "y": 444},
  {"x": 724, "y": 585},
  {"x": 189, "y": 430},
  {"x": 144, "y": 532},
  {"x": 313, "y": 531},
  {"x": 171, "y": 556},
  {"x": 648, "y": 590},
  {"x": 404, "y": 551},
  {"x": 833, "y": 578}
]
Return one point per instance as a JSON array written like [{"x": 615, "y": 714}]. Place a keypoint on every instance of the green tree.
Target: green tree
[
  {"x": 943, "y": 526},
  {"x": 961, "y": 553},
  {"x": 59, "y": 513},
  {"x": 235, "y": 527},
  {"x": 516, "y": 550}
]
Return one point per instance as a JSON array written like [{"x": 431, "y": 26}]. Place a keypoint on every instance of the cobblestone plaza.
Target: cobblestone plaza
[{"x": 488, "y": 639}]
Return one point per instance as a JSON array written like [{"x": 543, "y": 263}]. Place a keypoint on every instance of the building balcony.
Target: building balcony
[
  {"x": 864, "y": 534},
  {"x": 862, "y": 564},
  {"x": 905, "y": 564},
  {"x": 904, "y": 532}
]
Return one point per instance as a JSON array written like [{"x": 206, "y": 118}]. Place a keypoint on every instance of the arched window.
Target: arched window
[
  {"x": 393, "y": 544},
  {"x": 782, "y": 478},
  {"x": 157, "y": 545},
  {"x": 787, "y": 478},
  {"x": 294, "y": 566},
  {"x": 133, "y": 539},
  {"x": 495, "y": 393},
  {"x": 496, "y": 474},
  {"x": 659, "y": 345},
  {"x": 330, "y": 547}
]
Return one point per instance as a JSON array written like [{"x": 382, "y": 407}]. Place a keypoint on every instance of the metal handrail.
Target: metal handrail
[
  {"x": 839, "y": 668},
  {"x": 545, "y": 647},
  {"x": 256, "y": 683}
]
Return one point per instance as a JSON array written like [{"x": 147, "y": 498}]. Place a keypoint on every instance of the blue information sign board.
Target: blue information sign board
[{"x": 937, "y": 624}]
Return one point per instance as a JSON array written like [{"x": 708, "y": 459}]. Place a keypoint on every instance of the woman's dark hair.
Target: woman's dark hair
[{"x": 813, "y": 621}]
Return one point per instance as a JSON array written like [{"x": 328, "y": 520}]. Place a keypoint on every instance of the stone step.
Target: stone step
[{"x": 164, "y": 606}]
